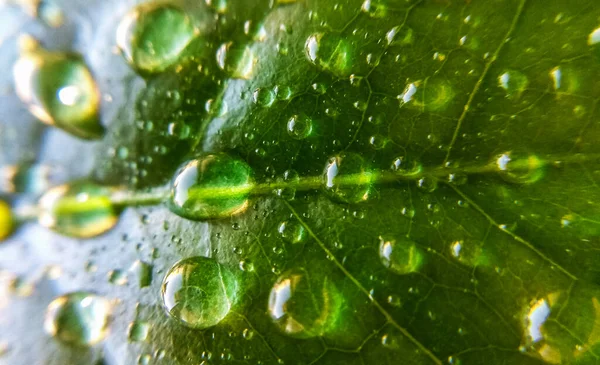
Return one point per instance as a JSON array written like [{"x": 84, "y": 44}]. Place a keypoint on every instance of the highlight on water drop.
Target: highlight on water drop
[
  {"x": 153, "y": 36},
  {"x": 214, "y": 185},
  {"x": 78, "y": 318},
  {"x": 59, "y": 89},
  {"x": 519, "y": 167},
  {"x": 199, "y": 292},
  {"x": 80, "y": 209}
]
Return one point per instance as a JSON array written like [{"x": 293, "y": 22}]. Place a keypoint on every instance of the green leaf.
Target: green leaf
[{"x": 457, "y": 219}]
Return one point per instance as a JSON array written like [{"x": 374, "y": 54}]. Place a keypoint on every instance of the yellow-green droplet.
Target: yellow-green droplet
[
  {"x": 153, "y": 36},
  {"x": 7, "y": 221},
  {"x": 199, "y": 292},
  {"x": 237, "y": 60},
  {"x": 346, "y": 178},
  {"x": 292, "y": 231},
  {"x": 138, "y": 331},
  {"x": 81, "y": 209},
  {"x": 514, "y": 83},
  {"x": 303, "y": 304},
  {"x": 400, "y": 256},
  {"x": 58, "y": 89},
  {"x": 520, "y": 167},
  {"x": 78, "y": 319},
  {"x": 468, "y": 252},
  {"x": 214, "y": 185},
  {"x": 330, "y": 52}
]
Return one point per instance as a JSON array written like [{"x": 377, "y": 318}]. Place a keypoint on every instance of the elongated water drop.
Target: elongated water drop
[
  {"x": 400, "y": 256},
  {"x": 78, "y": 319},
  {"x": 81, "y": 209},
  {"x": 214, "y": 185},
  {"x": 520, "y": 167},
  {"x": 304, "y": 305},
  {"x": 153, "y": 36},
  {"x": 58, "y": 89},
  {"x": 346, "y": 179},
  {"x": 7, "y": 221},
  {"x": 199, "y": 292}
]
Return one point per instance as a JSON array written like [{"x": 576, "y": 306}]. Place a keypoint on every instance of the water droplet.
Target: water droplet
[
  {"x": 594, "y": 37},
  {"x": 433, "y": 94},
  {"x": 290, "y": 181},
  {"x": 536, "y": 317},
  {"x": 399, "y": 35},
  {"x": 406, "y": 166},
  {"x": 375, "y": 8},
  {"x": 520, "y": 167},
  {"x": 303, "y": 305},
  {"x": 292, "y": 231},
  {"x": 514, "y": 83},
  {"x": 346, "y": 179},
  {"x": 427, "y": 184},
  {"x": 59, "y": 90},
  {"x": 263, "y": 97},
  {"x": 143, "y": 271},
  {"x": 138, "y": 331},
  {"x": 330, "y": 52},
  {"x": 237, "y": 60},
  {"x": 214, "y": 185},
  {"x": 7, "y": 222},
  {"x": 78, "y": 318},
  {"x": 81, "y": 209},
  {"x": 468, "y": 252},
  {"x": 179, "y": 130},
  {"x": 153, "y": 36},
  {"x": 219, "y": 6},
  {"x": 377, "y": 141},
  {"x": 400, "y": 256},
  {"x": 117, "y": 277},
  {"x": 299, "y": 126},
  {"x": 199, "y": 292}
]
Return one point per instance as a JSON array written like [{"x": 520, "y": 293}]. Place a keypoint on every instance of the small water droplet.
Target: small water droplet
[
  {"x": 211, "y": 186},
  {"x": 152, "y": 36},
  {"x": 263, "y": 97},
  {"x": 292, "y": 231},
  {"x": 78, "y": 319},
  {"x": 330, "y": 52},
  {"x": 199, "y": 292},
  {"x": 514, "y": 83},
  {"x": 138, "y": 331},
  {"x": 520, "y": 167},
  {"x": 237, "y": 60},
  {"x": 299, "y": 126},
  {"x": 80, "y": 209},
  {"x": 400, "y": 256}
]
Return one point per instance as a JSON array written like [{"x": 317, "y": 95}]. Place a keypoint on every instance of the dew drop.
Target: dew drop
[
  {"x": 519, "y": 167},
  {"x": 214, "y": 185},
  {"x": 299, "y": 126},
  {"x": 117, "y": 277},
  {"x": 78, "y": 319},
  {"x": 346, "y": 179},
  {"x": 399, "y": 35},
  {"x": 400, "y": 256},
  {"x": 468, "y": 252},
  {"x": 290, "y": 181},
  {"x": 427, "y": 184},
  {"x": 138, "y": 331},
  {"x": 218, "y": 6},
  {"x": 594, "y": 37},
  {"x": 153, "y": 36},
  {"x": 303, "y": 305},
  {"x": 263, "y": 97},
  {"x": 406, "y": 166},
  {"x": 330, "y": 52},
  {"x": 237, "y": 60},
  {"x": 514, "y": 83},
  {"x": 81, "y": 209},
  {"x": 58, "y": 89},
  {"x": 292, "y": 231},
  {"x": 7, "y": 221},
  {"x": 375, "y": 8},
  {"x": 199, "y": 292},
  {"x": 143, "y": 271}
]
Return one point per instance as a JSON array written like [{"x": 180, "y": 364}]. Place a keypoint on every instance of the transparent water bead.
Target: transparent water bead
[
  {"x": 199, "y": 292},
  {"x": 78, "y": 319},
  {"x": 59, "y": 89},
  {"x": 304, "y": 304},
  {"x": 214, "y": 185},
  {"x": 400, "y": 256},
  {"x": 520, "y": 167},
  {"x": 346, "y": 178},
  {"x": 153, "y": 36},
  {"x": 80, "y": 209}
]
